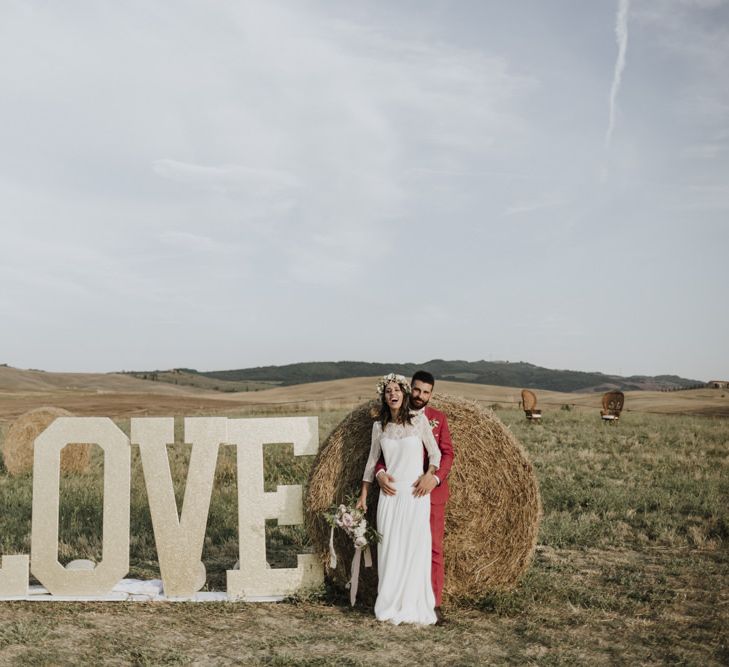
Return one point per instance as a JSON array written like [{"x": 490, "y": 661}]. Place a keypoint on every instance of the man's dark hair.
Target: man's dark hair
[{"x": 424, "y": 376}]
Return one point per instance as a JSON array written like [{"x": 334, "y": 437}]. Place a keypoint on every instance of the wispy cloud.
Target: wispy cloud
[
  {"x": 194, "y": 242},
  {"x": 532, "y": 206},
  {"x": 621, "y": 35},
  {"x": 226, "y": 178},
  {"x": 709, "y": 150},
  {"x": 707, "y": 198}
]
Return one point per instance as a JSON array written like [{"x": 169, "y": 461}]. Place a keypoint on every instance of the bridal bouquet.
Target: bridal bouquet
[
  {"x": 360, "y": 531},
  {"x": 353, "y": 522}
]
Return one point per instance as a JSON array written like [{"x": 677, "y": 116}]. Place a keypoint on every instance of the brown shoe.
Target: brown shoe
[{"x": 440, "y": 619}]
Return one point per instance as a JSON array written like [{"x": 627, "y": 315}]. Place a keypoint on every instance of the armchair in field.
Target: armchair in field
[
  {"x": 612, "y": 406},
  {"x": 529, "y": 403}
]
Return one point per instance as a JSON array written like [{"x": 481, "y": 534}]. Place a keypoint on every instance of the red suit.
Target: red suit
[{"x": 438, "y": 496}]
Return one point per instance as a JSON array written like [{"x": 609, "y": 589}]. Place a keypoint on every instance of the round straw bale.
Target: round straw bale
[
  {"x": 492, "y": 516},
  {"x": 18, "y": 445}
]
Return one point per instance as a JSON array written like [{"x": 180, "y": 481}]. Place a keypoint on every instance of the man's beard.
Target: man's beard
[{"x": 417, "y": 403}]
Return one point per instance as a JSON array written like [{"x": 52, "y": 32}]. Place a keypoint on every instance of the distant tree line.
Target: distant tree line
[{"x": 698, "y": 385}]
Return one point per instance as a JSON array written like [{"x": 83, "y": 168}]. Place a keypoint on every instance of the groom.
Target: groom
[{"x": 434, "y": 484}]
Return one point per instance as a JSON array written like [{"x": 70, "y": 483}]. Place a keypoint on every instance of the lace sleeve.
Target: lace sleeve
[
  {"x": 375, "y": 450},
  {"x": 426, "y": 433}
]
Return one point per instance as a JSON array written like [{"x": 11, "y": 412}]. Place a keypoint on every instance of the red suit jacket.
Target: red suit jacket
[{"x": 439, "y": 424}]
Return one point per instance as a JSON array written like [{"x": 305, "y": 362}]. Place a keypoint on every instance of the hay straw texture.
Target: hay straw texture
[
  {"x": 18, "y": 445},
  {"x": 528, "y": 399},
  {"x": 492, "y": 517}
]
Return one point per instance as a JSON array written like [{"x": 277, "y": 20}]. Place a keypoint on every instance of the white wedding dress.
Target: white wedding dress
[{"x": 404, "y": 592}]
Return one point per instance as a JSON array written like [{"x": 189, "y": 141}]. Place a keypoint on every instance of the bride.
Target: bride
[{"x": 404, "y": 591}]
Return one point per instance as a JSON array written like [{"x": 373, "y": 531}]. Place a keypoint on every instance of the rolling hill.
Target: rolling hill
[
  {"x": 122, "y": 396},
  {"x": 498, "y": 373}
]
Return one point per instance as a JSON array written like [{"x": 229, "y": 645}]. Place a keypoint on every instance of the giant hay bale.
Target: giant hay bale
[
  {"x": 18, "y": 445},
  {"x": 492, "y": 517}
]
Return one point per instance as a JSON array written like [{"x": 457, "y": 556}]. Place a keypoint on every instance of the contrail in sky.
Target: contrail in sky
[{"x": 621, "y": 35}]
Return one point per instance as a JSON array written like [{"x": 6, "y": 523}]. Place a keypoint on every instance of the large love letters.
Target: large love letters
[{"x": 179, "y": 537}]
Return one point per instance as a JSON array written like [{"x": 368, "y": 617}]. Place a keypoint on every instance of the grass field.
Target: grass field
[{"x": 631, "y": 568}]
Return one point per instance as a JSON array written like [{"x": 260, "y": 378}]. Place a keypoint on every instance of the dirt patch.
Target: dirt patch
[{"x": 597, "y": 607}]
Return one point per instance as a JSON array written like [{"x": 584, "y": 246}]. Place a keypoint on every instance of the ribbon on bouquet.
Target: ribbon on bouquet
[
  {"x": 332, "y": 553},
  {"x": 354, "y": 581}
]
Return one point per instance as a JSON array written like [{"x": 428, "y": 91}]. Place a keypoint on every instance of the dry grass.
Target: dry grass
[{"x": 631, "y": 565}]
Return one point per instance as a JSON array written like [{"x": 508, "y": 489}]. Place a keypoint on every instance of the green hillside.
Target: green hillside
[{"x": 500, "y": 373}]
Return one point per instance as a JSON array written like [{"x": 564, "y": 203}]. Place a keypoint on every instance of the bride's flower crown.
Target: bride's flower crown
[{"x": 393, "y": 377}]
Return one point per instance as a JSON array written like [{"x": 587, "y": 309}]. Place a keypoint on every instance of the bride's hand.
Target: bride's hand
[{"x": 361, "y": 505}]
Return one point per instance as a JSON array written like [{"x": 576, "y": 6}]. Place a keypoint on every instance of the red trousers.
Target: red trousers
[{"x": 437, "y": 530}]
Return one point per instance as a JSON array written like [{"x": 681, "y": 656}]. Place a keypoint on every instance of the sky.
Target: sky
[{"x": 243, "y": 183}]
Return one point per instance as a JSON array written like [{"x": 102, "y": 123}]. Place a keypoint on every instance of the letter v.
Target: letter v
[{"x": 180, "y": 539}]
